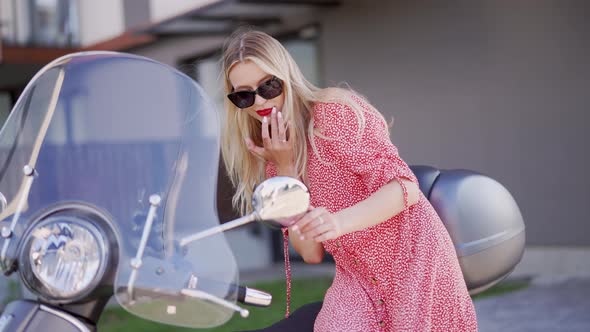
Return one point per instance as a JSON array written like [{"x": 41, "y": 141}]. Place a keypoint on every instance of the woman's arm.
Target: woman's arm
[
  {"x": 380, "y": 206},
  {"x": 311, "y": 251},
  {"x": 320, "y": 225},
  {"x": 278, "y": 149},
  {"x": 367, "y": 153}
]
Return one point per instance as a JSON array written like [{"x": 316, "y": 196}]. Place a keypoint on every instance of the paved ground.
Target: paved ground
[{"x": 549, "y": 304}]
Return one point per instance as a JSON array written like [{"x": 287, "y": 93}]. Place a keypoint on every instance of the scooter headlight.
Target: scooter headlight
[{"x": 63, "y": 258}]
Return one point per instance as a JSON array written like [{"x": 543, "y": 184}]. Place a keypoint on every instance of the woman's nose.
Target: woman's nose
[{"x": 259, "y": 100}]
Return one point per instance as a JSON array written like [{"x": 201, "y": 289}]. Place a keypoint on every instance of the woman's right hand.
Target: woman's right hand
[
  {"x": 310, "y": 250},
  {"x": 277, "y": 147}
]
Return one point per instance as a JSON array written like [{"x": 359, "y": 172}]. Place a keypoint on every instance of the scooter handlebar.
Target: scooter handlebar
[{"x": 252, "y": 296}]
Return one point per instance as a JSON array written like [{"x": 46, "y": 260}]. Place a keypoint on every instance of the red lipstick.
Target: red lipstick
[{"x": 264, "y": 112}]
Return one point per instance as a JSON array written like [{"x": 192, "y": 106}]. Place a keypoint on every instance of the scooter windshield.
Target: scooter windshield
[{"x": 139, "y": 141}]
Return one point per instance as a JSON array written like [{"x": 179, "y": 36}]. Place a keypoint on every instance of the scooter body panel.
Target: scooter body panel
[{"x": 29, "y": 316}]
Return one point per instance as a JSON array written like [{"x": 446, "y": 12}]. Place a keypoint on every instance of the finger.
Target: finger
[
  {"x": 329, "y": 235},
  {"x": 295, "y": 227},
  {"x": 253, "y": 147},
  {"x": 281, "y": 127},
  {"x": 308, "y": 230},
  {"x": 307, "y": 218},
  {"x": 274, "y": 126},
  {"x": 265, "y": 134},
  {"x": 317, "y": 217},
  {"x": 309, "y": 208},
  {"x": 288, "y": 130},
  {"x": 316, "y": 229},
  {"x": 258, "y": 151},
  {"x": 249, "y": 143}
]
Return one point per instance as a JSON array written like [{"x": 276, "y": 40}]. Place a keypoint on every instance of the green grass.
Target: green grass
[
  {"x": 303, "y": 291},
  {"x": 502, "y": 288},
  {"x": 12, "y": 292}
]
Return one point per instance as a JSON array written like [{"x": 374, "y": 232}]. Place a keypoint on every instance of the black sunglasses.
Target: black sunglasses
[{"x": 269, "y": 89}]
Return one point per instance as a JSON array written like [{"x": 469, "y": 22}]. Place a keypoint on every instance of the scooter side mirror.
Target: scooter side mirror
[{"x": 278, "y": 201}]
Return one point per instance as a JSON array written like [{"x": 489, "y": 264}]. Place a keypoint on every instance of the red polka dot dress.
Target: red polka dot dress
[{"x": 400, "y": 275}]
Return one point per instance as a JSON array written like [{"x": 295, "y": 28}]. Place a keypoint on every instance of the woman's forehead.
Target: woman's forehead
[{"x": 246, "y": 74}]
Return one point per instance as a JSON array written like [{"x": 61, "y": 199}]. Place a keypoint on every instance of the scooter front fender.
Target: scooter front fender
[{"x": 30, "y": 316}]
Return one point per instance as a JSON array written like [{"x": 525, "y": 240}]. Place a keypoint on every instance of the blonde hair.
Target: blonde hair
[{"x": 245, "y": 169}]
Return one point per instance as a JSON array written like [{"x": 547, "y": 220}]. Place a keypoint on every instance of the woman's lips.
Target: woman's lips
[{"x": 264, "y": 112}]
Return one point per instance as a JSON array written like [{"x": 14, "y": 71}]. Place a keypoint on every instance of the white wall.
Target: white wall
[
  {"x": 162, "y": 9},
  {"x": 499, "y": 87},
  {"x": 100, "y": 20}
]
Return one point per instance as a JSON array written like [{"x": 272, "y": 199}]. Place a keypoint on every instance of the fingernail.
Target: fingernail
[
  {"x": 302, "y": 238},
  {"x": 264, "y": 119},
  {"x": 280, "y": 114},
  {"x": 295, "y": 228},
  {"x": 274, "y": 110}
]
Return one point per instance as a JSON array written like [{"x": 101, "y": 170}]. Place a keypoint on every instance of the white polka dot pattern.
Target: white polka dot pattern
[{"x": 400, "y": 275}]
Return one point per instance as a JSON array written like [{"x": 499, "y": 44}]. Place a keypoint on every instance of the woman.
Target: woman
[{"x": 396, "y": 268}]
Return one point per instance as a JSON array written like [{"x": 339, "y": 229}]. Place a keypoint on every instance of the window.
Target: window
[
  {"x": 305, "y": 54},
  {"x": 54, "y": 22}
]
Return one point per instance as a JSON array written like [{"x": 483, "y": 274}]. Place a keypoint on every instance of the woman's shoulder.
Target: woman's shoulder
[
  {"x": 338, "y": 108},
  {"x": 342, "y": 112},
  {"x": 332, "y": 102},
  {"x": 330, "y": 99},
  {"x": 334, "y": 95},
  {"x": 332, "y": 116},
  {"x": 335, "y": 120}
]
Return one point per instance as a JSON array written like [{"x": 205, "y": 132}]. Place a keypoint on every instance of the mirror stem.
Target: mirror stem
[{"x": 218, "y": 229}]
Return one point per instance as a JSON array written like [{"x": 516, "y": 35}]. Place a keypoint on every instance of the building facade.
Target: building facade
[{"x": 496, "y": 87}]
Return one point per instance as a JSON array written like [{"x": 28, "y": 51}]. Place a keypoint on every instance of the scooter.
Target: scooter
[{"x": 108, "y": 168}]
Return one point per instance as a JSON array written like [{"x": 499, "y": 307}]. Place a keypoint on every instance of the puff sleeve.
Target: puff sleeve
[{"x": 367, "y": 153}]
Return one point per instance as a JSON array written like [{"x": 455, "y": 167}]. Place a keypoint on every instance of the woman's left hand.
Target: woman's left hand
[
  {"x": 319, "y": 225},
  {"x": 277, "y": 146}
]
